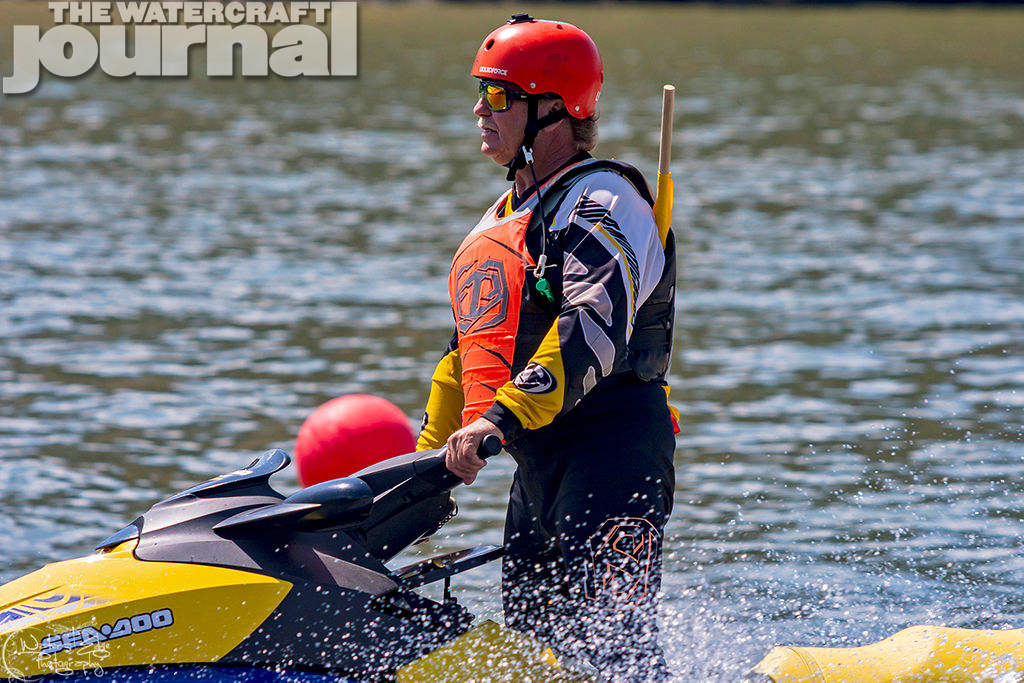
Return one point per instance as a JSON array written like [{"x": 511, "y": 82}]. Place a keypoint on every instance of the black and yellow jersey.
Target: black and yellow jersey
[{"x": 529, "y": 344}]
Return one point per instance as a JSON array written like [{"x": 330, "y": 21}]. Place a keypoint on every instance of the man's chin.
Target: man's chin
[{"x": 496, "y": 156}]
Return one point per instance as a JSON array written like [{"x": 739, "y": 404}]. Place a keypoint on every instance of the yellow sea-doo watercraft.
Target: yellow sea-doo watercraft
[{"x": 232, "y": 581}]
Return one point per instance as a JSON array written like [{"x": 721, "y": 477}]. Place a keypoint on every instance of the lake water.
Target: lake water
[{"x": 190, "y": 267}]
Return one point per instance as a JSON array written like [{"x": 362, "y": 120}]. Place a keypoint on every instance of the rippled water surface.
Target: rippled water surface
[{"x": 190, "y": 267}]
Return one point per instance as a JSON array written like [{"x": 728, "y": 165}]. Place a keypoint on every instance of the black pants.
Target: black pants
[{"x": 583, "y": 534}]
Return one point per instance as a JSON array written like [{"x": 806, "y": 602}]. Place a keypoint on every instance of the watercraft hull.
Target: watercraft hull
[{"x": 110, "y": 610}]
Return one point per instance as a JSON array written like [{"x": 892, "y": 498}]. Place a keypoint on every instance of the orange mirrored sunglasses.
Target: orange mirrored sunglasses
[{"x": 499, "y": 97}]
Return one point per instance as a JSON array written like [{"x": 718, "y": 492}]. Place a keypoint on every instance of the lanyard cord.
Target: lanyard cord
[{"x": 542, "y": 261}]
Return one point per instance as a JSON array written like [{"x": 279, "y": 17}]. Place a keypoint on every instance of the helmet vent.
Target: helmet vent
[{"x": 490, "y": 44}]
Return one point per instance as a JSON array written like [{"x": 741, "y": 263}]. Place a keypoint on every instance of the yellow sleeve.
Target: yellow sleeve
[
  {"x": 538, "y": 405},
  {"x": 443, "y": 414}
]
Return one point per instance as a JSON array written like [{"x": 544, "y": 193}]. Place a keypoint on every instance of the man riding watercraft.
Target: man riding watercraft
[{"x": 563, "y": 300}]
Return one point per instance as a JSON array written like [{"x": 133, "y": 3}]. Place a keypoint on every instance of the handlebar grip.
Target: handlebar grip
[{"x": 491, "y": 445}]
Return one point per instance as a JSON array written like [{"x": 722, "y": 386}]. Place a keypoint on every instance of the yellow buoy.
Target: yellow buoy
[{"x": 919, "y": 654}]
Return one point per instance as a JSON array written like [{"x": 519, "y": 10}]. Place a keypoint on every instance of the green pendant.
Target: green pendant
[{"x": 545, "y": 289}]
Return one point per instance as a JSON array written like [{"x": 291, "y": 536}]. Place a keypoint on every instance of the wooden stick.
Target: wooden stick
[{"x": 668, "y": 94}]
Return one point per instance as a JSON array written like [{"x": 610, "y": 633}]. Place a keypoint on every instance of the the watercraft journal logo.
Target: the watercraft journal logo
[{"x": 154, "y": 38}]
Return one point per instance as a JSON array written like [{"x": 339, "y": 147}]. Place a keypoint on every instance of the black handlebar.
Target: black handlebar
[
  {"x": 427, "y": 466},
  {"x": 491, "y": 445}
]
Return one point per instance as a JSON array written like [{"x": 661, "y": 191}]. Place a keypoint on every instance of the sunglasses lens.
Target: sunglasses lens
[{"x": 495, "y": 96}]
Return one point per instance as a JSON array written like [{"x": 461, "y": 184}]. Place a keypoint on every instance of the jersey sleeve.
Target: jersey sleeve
[
  {"x": 612, "y": 261},
  {"x": 443, "y": 414}
]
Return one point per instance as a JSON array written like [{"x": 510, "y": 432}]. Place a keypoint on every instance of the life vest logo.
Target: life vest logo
[
  {"x": 535, "y": 379},
  {"x": 482, "y": 296},
  {"x": 625, "y": 550}
]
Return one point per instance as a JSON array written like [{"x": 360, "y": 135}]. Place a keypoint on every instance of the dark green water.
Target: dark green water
[{"x": 189, "y": 267}]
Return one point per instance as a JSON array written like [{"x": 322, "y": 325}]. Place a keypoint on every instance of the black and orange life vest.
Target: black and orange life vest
[{"x": 500, "y": 315}]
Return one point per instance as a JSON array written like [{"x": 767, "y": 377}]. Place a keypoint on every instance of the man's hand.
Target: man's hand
[{"x": 460, "y": 456}]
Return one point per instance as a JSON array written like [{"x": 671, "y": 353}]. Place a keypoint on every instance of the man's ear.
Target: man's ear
[{"x": 555, "y": 105}]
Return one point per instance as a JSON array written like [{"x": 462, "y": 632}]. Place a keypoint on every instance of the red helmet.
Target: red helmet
[{"x": 541, "y": 57}]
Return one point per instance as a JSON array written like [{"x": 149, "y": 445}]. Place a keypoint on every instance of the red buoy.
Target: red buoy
[{"x": 349, "y": 433}]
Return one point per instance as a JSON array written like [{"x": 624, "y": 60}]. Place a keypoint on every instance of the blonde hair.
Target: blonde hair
[{"x": 584, "y": 131}]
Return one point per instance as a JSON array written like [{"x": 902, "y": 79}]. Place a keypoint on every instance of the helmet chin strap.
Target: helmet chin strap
[
  {"x": 533, "y": 126},
  {"x": 523, "y": 159}
]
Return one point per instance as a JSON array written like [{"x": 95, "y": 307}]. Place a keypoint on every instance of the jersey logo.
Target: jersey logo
[
  {"x": 535, "y": 379},
  {"x": 481, "y": 295},
  {"x": 625, "y": 552}
]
